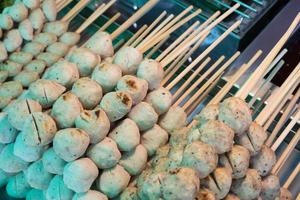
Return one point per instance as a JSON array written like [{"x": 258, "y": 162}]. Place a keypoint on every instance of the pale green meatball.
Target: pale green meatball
[
  {"x": 248, "y": 187},
  {"x": 116, "y": 105},
  {"x": 264, "y": 161},
  {"x": 37, "y": 18},
  {"x": 58, "y": 48},
  {"x": 35, "y": 194},
  {"x": 128, "y": 58},
  {"x": 71, "y": 143},
  {"x": 6, "y": 22},
  {"x": 48, "y": 58},
  {"x": 18, "y": 12},
  {"x": 3, "y": 52},
  {"x": 88, "y": 91},
  {"x": 205, "y": 194},
  {"x": 20, "y": 110},
  {"x": 65, "y": 110},
  {"x": 4, "y": 101},
  {"x": 45, "y": 38},
  {"x": 37, "y": 176},
  {"x": 80, "y": 174},
  {"x": 134, "y": 161},
  {"x": 107, "y": 75},
  {"x": 32, "y": 4},
  {"x": 285, "y": 194},
  {"x": 26, "y": 152},
  {"x": 7, "y": 132},
  {"x": 130, "y": 193},
  {"x": 95, "y": 123},
  {"x": 4, "y": 177},
  {"x": 219, "y": 182},
  {"x": 175, "y": 118},
  {"x": 63, "y": 72},
  {"x": 57, "y": 190},
  {"x": 46, "y": 92},
  {"x": 101, "y": 44},
  {"x": 12, "y": 164},
  {"x": 270, "y": 187},
  {"x": 182, "y": 183},
  {"x": 160, "y": 99},
  {"x": 209, "y": 112},
  {"x": 11, "y": 67},
  {"x": 89, "y": 195},
  {"x": 3, "y": 76},
  {"x": 35, "y": 48},
  {"x": 37, "y": 66},
  {"x": 136, "y": 87},
  {"x": 26, "y": 78},
  {"x": 85, "y": 59},
  {"x": 151, "y": 71},
  {"x": 105, "y": 154},
  {"x": 20, "y": 57},
  {"x": 126, "y": 135},
  {"x": 56, "y": 27},
  {"x": 13, "y": 40},
  {"x": 49, "y": 9},
  {"x": 201, "y": 157},
  {"x": 39, "y": 129},
  {"x": 52, "y": 162},
  {"x": 70, "y": 38},
  {"x": 17, "y": 186},
  {"x": 231, "y": 196},
  {"x": 26, "y": 30},
  {"x": 113, "y": 181}
]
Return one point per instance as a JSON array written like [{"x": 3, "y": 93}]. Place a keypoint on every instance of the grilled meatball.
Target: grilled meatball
[
  {"x": 32, "y": 4},
  {"x": 270, "y": 187},
  {"x": 56, "y": 27},
  {"x": 70, "y": 38},
  {"x": 35, "y": 48},
  {"x": 13, "y": 40},
  {"x": 48, "y": 58},
  {"x": 58, "y": 189},
  {"x": 52, "y": 162},
  {"x": 36, "y": 194},
  {"x": 11, "y": 89},
  {"x": 11, "y": 67},
  {"x": 101, "y": 44},
  {"x": 285, "y": 194},
  {"x": 160, "y": 99},
  {"x": 26, "y": 30},
  {"x": 91, "y": 194},
  {"x": 209, "y": 112},
  {"x": 205, "y": 194},
  {"x": 58, "y": 48},
  {"x": 6, "y": 21},
  {"x": 45, "y": 38},
  {"x": 37, "y": 18},
  {"x": 49, "y": 9},
  {"x": 20, "y": 57},
  {"x": 231, "y": 196},
  {"x": 3, "y": 52},
  {"x": 26, "y": 78},
  {"x": 17, "y": 186},
  {"x": 37, "y": 66},
  {"x": 174, "y": 119},
  {"x": 130, "y": 193},
  {"x": 18, "y": 12},
  {"x": 7, "y": 132}
]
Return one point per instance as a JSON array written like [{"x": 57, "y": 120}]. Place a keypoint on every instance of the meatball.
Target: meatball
[
  {"x": 37, "y": 66},
  {"x": 58, "y": 48},
  {"x": 209, "y": 112},
  {"x": 205, "y": 194},
  {"x": 35, "y": 194},
  {"x": 13, "y": 40},
  {"x": 45, "y": 38},
  {"x": 58, "y": 190},
  {"x": 91, "y": 194},
  {"x": 49, "y": 9},
  {"x": 130, "y": 193},
  {"x": 160, "y": 99},
  {"x": 174, "y": 119},
  {"x": 34, "y": 48},
  {"x": 18, "y": 12},
  {"x": 6, "y": 21},
  {"x": 26, "y": 30},
  {"x": 17, "y": 186},
  {"x": 56, "y": 27},
  {"x": 264, "y": 161},
  {"x": 37, "y": 18},
  {"x": 70, "y": 38},
  {"x": 11, "y": 67},
  {"x": 3, "y": 53},
  {"x": 52, "y": 162},
  {"x": 270, "y": 187},
  {"x": 7, "y": 132},
  {"x": 101, "y": 44},
  {"x": 26, "y": 78},
  {"x": 285, "y": 194}
]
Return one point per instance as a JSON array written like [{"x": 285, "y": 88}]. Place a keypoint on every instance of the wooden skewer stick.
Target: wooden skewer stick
[
  {"x": 286, "y": 131},
  {"x": 174, "y": 63},
  {"x": 217, "y": 74},
  {"x": 156, "y": 47},
  {"x": 292, "y": 177},
  {"x": 185, "y": 58},
  {"x": 136, "y": 35},
  {"x": 110, "y": 21},
  {"x": 298, "y": 196},
  {"x": 99, "y": 11},
  {"x": 221, "y": 94},
  {"x": 267, "y": 80},
  {"x": 153, "y": 24},
  {"x": 202, "y": 55},
  {"x": 190, "y": 109},
  {"x": 63, "y": 4},
  {"x": 177, "y": 51},
  {"x": 164, "y": 28},
  {"x": 119, "y": 44},
  {"x": 204, "y": 87},
  {"x": 256, "y": 76},
  {"x": 156, "y": 40},
  {"x": 292, "y": 79},
  {"x": 187, "y": 32},
  {"x": 191, "y": 78},
  {"x": 76, "y": 9},
  {"x": 286, "y": 153},
  {"x": 283, "y": 118},
  {"x": 141, "y": 12}
]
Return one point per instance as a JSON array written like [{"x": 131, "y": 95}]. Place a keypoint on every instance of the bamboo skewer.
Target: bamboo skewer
[
  {"x": 99, "y": 11},
  {"x": 279, "y": 95},
  {"x": 136, "y": 35},
  {"x": 76, "y": 9},
  {"x": 156, "y": 40},
  {"x": 119, "y": 44},
  {"x": 154, "y": 49},
  {"x": 153, "y": 24},
  {"x": 286, "y": 153},
  {"x": 178, "y": 50},
  {"x": 235, "y": 78},
  {"x": 183, "y": 60},
  {"x": 110, "y": 21},
  {"x": 286, "y": 131},
  {"x": 205, "y": 86},
  {"x": 150, "y": 4},
  {"x": 173, "y": 64},
  {"x": 292, "y": 177},
  {"x": 191, "y": 78},
  {"x": 203, "y": 54},
  {"x": 63, "y": 4},
  {"x": 256, "y": 76},
  {"x": 283, "y": 118},
  {"x": 267, "y": 80},
  {"x": 164, "y": 28}
]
